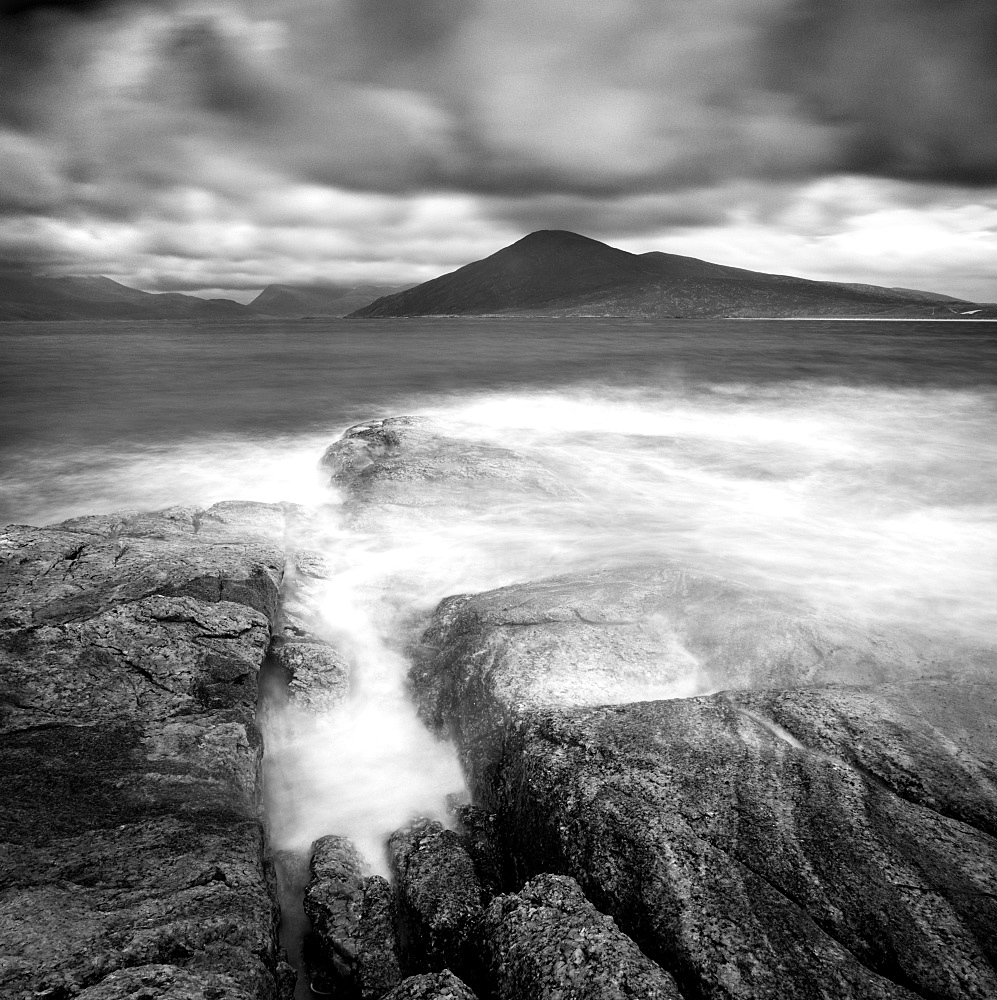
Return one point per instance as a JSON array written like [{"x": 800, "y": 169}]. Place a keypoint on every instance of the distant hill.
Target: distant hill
[
  {"x": 317, "y": 300},
  {"x": 41, "y": 298},
  {"x": 556, "y": 273}
]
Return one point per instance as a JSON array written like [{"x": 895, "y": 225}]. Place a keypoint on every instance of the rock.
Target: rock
[
  {"x": 745, "y": 864},
  {"x": 231, "y": 552},
  {"x": 816, "y": 841},
  {"x": 439, "y": 899},
  {"x": 318, "y": 675},
  {"x": 480, "y": 838},
  {"x": 147, "y": 658},
  {"x": 432, "y": 986},
  {"x": 931, "y": 742},
  {"x": 131, "y": 845},
  {"x": 410, "y": 462},
  {"x": 641, "y": 633},
  {"x": 163, "y": 982},
  {"x": 549, "y": 941},
  {"x": 378, "y": 958},
  {"x": 352, "y": 950}
]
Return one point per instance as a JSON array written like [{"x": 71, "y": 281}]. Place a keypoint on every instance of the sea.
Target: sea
[{"x": 850, "y": 464}]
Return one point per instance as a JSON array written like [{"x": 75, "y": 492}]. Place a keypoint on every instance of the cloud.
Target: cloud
[
  {"x": 912, "y": 85},
  {"x": 272, "y": 140},
  {"x": 512, "y": 98},
  {"x": 857, "y": 229}
]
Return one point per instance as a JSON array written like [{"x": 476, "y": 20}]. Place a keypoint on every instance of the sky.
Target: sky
[{"x": 217, "y": 147}]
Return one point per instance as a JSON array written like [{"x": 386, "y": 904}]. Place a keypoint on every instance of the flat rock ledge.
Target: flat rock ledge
[{"x": 131, "y": 843}]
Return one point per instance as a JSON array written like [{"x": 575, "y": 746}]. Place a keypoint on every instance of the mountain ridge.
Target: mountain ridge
[
  {"x": 562, "y": 274},
  {"x": 34, "y": 297}
]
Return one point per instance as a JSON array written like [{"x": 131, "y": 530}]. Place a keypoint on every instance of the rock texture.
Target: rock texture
[
  {"x": 549, "y": 941},
  {"x": 432, "y": 986},
  {"x": 352, "y": 951},
  {"x": 643, "y": 633},
  {"x": 410, "y": 462},
  {"x": 130, "y": 841},
  {"x": 439, "y": 899},
  {"x": 805, "y": 842},
  {"x": 810, "y": 814}
]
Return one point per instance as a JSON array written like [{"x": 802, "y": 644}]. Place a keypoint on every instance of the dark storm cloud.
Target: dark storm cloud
[
  {"x": 571, "y": 97},
  {"x": 911, "y": 83},
  {"x": 220, "y": 75},
  {"x": 618, "y": 216},
  {"x": 407, "y": 28}
]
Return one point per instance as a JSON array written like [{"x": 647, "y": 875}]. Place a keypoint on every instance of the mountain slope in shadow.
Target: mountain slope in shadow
[
  {"x": 32, "y": 297},
  {"x": 556, "y": 273}
]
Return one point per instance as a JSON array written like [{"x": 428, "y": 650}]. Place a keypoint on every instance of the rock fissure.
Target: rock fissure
[{"x": 133, "y": 664}]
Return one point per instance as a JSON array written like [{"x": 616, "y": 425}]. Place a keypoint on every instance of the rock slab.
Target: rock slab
[
  {"x": 131, "y": 847},
  {"x": 817, "y": 840},
  {"x": 440, "y": 899}
]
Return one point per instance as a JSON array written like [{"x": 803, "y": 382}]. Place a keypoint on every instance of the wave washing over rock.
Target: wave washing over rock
[{"x": 677, "y": 784}]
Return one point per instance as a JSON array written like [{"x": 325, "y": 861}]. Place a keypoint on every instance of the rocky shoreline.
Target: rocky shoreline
[{"x": 680, "y": 786}]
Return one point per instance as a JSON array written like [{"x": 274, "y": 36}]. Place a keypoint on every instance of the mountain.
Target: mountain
[
  {"x": 556, "y": 273},
  {"x": 316, "y": 300},
  {"x": 25, "y": 296}
]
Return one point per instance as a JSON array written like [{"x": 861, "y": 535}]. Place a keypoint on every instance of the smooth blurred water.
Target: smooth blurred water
[{"x": 851, "y": 464}]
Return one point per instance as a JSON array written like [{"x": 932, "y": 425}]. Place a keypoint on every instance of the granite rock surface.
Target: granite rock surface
[
  {"x": 353, "y": 950},
  {"x": 548, "y": 941},
  {"x": 131, "y": 845},
  {"x": 432, "y": 986}
]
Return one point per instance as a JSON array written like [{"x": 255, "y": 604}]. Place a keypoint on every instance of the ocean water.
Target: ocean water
[{"x": 852, "y": 464}]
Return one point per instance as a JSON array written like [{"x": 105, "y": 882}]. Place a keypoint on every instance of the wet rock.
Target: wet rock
[
  {"x": 117, "y": 850},
  {"x": 480, "y": 837},
  {"x": 411, "y": 462},
  {"x": 432, "y": 986},
  {"x": 644, "y": 633},
  {"x": 931, "y": 742},
  {"x": 130, "y": 841},
  {"x": 744, "y": 864},
  {"x": 549, "y": 941},
  {"x": 378, "y": 959},
  {"x": 145, "y": 658},
  {"x": 352, "y": 950},
  {"x": 807, "y": 842},
  {"x": 318, "y": 675},
  {"x": 67, "y": 572},
  {"x": 291, "y": 876},
  {"x": 163, "y": 982},
  {"x": 439, "y": 899}
]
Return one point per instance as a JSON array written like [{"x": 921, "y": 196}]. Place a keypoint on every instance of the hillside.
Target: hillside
[
  {"x": 555, "y": 273},
  {"x": 42, "y": 298}
]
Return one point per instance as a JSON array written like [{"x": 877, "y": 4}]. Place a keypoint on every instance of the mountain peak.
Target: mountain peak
[{"x": 555, "y": 272}]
